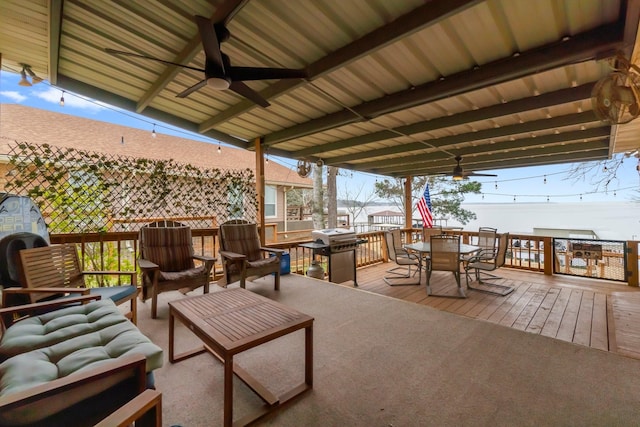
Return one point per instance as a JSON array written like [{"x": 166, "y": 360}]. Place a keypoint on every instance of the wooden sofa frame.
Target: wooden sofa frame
[
  {"x": 144, "y": 408},
  {"x": 55, "y": 269}
]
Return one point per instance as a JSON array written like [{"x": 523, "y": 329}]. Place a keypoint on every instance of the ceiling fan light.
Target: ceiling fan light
[
  {"x": 458, "y": 177},
  {"x": 218, "y": 83}
]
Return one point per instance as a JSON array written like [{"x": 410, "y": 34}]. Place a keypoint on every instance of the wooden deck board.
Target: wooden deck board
[
  {"x": 567, "y": 328},
  {"x": 543, "y": 311},
  {"x": 595, "y": 313},
  {"x": 582, "y": 334},
  {"x": 552, "y": 324}
]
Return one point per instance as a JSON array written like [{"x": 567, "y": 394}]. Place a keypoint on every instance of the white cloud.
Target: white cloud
[
  {"x": 53, "y": 95},
  {"x": 13, "y": 95}
]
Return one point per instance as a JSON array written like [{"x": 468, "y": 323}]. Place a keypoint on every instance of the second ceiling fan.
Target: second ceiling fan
[
  {"x": 459, "y": 173},
  {"x": 218, "y": 72}
]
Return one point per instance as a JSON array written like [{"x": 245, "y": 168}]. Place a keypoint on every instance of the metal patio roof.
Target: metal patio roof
[{"x": 394, "y": 87}]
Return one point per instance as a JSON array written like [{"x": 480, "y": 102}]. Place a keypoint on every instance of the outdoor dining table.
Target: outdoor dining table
[{"x": 424, "y": 249}]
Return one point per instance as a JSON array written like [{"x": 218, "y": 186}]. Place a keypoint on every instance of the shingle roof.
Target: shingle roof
[{"x": 37, "y": 126}]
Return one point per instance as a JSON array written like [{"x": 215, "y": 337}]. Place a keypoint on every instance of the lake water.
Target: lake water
[{"x": 608, "y": 220}]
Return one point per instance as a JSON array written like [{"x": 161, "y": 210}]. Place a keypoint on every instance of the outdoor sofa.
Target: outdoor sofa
[{"x": 68, "y": 366}]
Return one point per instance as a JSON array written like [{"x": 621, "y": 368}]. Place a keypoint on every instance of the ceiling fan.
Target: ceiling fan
[
  {"x": 616, "y": 97},
  {"x": 218, "y": 72},
  {"x": 459, "y": 173}
]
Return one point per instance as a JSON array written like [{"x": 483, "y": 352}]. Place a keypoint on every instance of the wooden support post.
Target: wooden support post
[
  {"x": 260, "y": 189},
  {"x": 408, "y": 208},
  {"x": 633, "y": 276},
  {"x": 548, "y": 256}
]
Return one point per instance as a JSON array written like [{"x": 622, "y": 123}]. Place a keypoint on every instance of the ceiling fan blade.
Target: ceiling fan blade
[
  {"x": 254, "y": 73},
  {"x": 192, "y": 89},
  {"x": 137, "y": 55},
  {"x": 210, "y": 41},
  {"x": 244, "y": 90}
]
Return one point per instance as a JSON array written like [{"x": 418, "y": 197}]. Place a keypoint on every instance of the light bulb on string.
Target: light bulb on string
[
  {"x": 219, "y": 149},
  {"x": 545, "y": 179},
  {"x": 496, "y": 185},
  {"x": 153, "y": 131},
  {"x": 580, "y": 196},
  {"x": 547, "y": 198},
  {"x": 615, "y": 193},
  {"x": 514, "y": 197},
  {"x": 482, "y": 196},
  {"x": 122, "y": 140},
  {"x": 62, "y": 99}
]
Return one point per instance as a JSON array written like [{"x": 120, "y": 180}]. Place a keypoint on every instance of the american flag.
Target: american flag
[{"x": 424, "y": 207}]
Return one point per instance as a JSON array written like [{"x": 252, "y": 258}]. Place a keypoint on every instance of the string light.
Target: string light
[
  {"x": 556, "y": 196},
  {"x": 496, "y": 185},
  {"x": 514, "y": 197},
  {"x": 580, "y": 196},
  {"x": 122, "y": 140},
  {"x": 545, "y": 179},
  {"x": 219, "y": 149},
  {"x": 62, "y": 99},
  {"x": 153, "y": 132},
  {"x": 547, "y": 198}
]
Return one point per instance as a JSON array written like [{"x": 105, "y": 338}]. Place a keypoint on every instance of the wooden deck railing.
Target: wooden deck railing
[{"x": 119, "y": 250}]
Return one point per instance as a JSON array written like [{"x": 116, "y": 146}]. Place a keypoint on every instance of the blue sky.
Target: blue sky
[{"x": 519, "y": 185}]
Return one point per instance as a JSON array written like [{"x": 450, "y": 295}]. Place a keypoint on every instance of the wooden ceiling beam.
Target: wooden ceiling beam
[
  {"x": 431, "y": 13},
  {"x": 548, "y": 142},
  {"x": 521, "y": 105},
  {"x": 598, "y": 151},
  {"x": 55, "y": 30},
  {"x": 522, "y": 143},
  {"x": 581, "y": 47},
  {"x": 223, "y": 12},
  {"x": 110, "y": 98}
]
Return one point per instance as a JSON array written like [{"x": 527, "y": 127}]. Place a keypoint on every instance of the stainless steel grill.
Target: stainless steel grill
[{"x": 339, "y": 246}]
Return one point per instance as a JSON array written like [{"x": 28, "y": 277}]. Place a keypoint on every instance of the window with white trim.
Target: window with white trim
[{"x": 270, "y": 201}]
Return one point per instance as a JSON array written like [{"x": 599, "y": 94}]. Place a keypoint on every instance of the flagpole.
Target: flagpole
[{"x": 408, "y": 205}]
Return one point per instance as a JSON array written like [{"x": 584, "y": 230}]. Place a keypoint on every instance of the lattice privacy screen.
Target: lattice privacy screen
[{"x": 81, "y": 192}]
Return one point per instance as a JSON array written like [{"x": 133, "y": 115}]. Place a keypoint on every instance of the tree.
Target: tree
[
  {"x": 332, "y": 197},
  {"x": 603, "y": 175},
  {"x": 355, "y": 200},
  {"x": 317, "y": 212},
  {"x": 447, "y": 195}
]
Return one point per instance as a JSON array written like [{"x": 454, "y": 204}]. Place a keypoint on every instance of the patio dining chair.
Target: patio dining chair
[
  {"x": 482, "y": 266},
  {"x": 243, "y": 255},
  {"x": 427, "y": 232},
  {"x": 445, "y": 256},
  {"x": 404, "y": 261},
  {"x": 167, "y": 261},
  {"x": 487, "y": 238}
]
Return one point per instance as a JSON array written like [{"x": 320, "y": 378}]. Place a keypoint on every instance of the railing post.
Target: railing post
[
  {"x": 633, "y": 278},
  {"x": 549, "y": 254}
]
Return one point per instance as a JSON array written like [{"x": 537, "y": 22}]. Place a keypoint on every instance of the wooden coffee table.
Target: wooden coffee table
[{"x": 234, "y": 320}]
